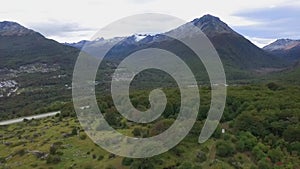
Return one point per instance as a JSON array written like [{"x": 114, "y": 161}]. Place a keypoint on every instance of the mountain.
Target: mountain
[
  {"x": 13, "y": 29},
  {"x": 241, "y": 58},
  {"x": 286, "y": 49},
  {"x": 20, "y": 46},
  {"x": 234, "y": 49},
  {"x": 236, "y": 52},
  {"x": 102, "y": 42},
  {"x": 34, "y": 70},
  {"x": 78, "y": 45},
  {"x": 213, "y": 26}
]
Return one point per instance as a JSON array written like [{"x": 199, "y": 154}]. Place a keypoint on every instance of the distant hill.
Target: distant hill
[
  {"x": 20, "y": 46},
  {"x": 286, "y": 49},
  {"x": 35, "y": 72}
]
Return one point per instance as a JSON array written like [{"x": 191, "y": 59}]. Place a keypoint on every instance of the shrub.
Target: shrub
[
  {"x": 185, "y": 165},
  {"x": 201, "y": 157},
  {"x": 264, "y": 164},
  {"x": 127, "y": 161},
  {"x": 2, "y": 160},
  {"x": 136, "y": 132},
  {"x": 273, "y": 86},
  {"x": 294, "y": 146},
  {"x": 82, "y": 136},
  {"x": 292, "y": 133},
  {"x": 74, "y": 131},
  {"x": 224, "y": 149},
  {"x": 21, "y": 152},
  {"x": 246, "y": 141},
  {"x": 275, "y": 154},
  {"x": 100, "y": 157},
  {"x": 53, "y": 159}
]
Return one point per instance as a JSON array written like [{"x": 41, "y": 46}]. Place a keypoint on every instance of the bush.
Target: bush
[
  {"x": 82, "y": 136},
  {"x": 276, "y": 155},
  {"x": 21, "y": 152},
  {"x": 185, "y": 165},
  {"x": 246, "y": 141},
  {"x": 178, "y": 151},
  {"x": 142, "y": 164},
  {"x": 264, "y": 164},
  {"x": 127, "y": 161},
  {"x": 294, "y": 146},
  {"x": 225, "y": 149},
  {"x": 201, "y": 157},
  {"x": 292, "y": 133},
  {"x": 259, "y": 151},
  {"x": 273, "y": 86},
  {"x": 74, "y": 131},
  {"x": 54, "y": 147},
  {"x": 2, "y": 160},
  {"x": 100, "y": 157},
  {"x": 136, "y": 132},
  {"x": 161, "y": 126},
  {"x": 53, "y": 159}
]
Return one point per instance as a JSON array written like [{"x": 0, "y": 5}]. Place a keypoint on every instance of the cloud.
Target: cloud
[
  {"x": 54, "y": 28},
  {"x": 260, "y": 42},
  {"x": 274, "y": 22},
  {"x": 145, "y": 24},
  {"x": 141, "y": 1}
]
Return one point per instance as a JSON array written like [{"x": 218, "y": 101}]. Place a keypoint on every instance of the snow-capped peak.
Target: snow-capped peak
[{"x": 139, "y": 37}]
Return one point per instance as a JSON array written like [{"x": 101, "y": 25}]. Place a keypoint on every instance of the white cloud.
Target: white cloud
[
  {"x": 94, "y": 14},
  {"x": 260, "y": 42}
]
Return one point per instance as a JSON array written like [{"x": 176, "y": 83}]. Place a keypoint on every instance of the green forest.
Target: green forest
[{"x": 260, "y": 124}]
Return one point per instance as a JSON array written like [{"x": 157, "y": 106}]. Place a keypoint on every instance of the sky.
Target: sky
[{"x": 261, "y": 21}]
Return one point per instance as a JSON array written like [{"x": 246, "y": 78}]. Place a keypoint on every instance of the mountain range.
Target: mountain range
[
  {"x": 241, "y": 58},
  {"x": 41, "y": 69},
  {"x": 285, "y": 48},
  {"x": 234, "y": 49}
]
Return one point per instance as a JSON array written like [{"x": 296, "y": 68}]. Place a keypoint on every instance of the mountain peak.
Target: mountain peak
[
  {"x": 8, "y": 28},
  {"x": 208, "y": 17},
  {"x": 212, "y": 25},
  {"x": 282, "y": 44}
]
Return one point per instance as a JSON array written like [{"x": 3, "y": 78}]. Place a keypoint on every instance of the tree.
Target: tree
[
  {"x": 185, "y": 165},
  {"x": 201, "y": 157},
  {"x": 53, "y": 159},
  {"x": 259, "y": 151},
  {"x": 136, "y": 131},
  {"x": 161, "y": 126},
  {"x": 292, "y": 133},
  {"x": 246, "y": 141},
  {"x": 127, "y": 161},
  {"x": 112, "y": 117},
  {"x": 249, "y": 121},
  {"x": 74, "y": 131},
  {"x": 294, "y": 146},
  {"x": 275, "y": 154},
  {"x": 264, "y": 164},
  {"x": 224, "y": 149},
  {"x": 273, "y": 86},
  {"x": 142, "y": 164}
]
